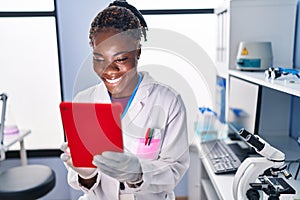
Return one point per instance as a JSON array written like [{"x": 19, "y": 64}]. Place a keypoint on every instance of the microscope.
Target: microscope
[
  {"x": 276, "y": 72},
  {"x": 265, "y": 169}
]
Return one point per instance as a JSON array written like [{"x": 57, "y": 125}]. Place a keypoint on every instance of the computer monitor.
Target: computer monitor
[{"x": 244, "y": 101}]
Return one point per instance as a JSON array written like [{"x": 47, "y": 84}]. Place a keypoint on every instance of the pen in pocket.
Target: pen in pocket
[
  {"x": 150, "y": 136},
  {"x": 147, "y": 136}
]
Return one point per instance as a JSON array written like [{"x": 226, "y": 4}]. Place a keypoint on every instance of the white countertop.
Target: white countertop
[{"x": 222, "y": 183}]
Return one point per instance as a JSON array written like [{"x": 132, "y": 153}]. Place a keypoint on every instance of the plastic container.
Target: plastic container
[{"x": 206, "y": 124}]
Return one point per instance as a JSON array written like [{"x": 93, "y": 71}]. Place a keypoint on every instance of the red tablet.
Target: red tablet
[{"x": 91, "y": 128}]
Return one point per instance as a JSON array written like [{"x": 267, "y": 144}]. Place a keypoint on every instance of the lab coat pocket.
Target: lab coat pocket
[
  {"x": 145, "y": 151},
  {"x": 149, "y": 148}
]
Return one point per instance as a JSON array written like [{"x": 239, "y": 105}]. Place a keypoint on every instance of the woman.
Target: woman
[{"x": 149, "y": 168}]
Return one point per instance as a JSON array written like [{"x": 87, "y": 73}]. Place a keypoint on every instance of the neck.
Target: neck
[{"x": 130, "y": 89}]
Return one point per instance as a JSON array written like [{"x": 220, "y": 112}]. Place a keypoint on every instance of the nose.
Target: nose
[{"x": 111, "y": 67}]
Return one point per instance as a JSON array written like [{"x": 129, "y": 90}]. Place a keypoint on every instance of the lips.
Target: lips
[{"x": 113, "y": 80}]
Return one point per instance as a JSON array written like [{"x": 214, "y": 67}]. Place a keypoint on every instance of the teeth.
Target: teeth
[{"x": 112, "y": 81}]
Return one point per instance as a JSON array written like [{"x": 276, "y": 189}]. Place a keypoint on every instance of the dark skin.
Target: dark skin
[
  {"x": 87, "y": 183},
  {"x": 115, "y": 59}
]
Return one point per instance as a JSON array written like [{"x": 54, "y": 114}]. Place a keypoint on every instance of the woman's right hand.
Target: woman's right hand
[{"x": 83, "y": 172}]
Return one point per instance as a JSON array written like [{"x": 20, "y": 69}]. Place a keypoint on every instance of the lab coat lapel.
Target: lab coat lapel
[
  {"x": 137, "y": 104},
  {"x": 101, "y": 94},
  {"x": 133, "y": 111}
]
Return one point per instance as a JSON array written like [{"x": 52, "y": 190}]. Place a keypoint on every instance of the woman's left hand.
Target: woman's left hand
[{"x": 121, "y": 166}]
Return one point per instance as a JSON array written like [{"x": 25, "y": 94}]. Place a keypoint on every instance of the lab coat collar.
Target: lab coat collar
[
  {"x": 146, "y": 84},
  {"x": 101, "y": 94},
  {"x": 144, "y": 90},
  {"x": 145, "y": 87}
]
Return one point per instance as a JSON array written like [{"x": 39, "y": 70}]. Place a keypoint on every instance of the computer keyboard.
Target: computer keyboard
[{"x": 220, "y": 156}]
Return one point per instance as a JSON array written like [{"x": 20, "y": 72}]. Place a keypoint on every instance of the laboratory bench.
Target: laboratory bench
[{"x": 205, "y": 184}]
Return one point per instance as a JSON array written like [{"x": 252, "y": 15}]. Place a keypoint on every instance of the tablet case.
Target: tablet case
[{"x": 90, "y": 129}]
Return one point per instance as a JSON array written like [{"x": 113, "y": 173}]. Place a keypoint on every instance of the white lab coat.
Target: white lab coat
[{"x": 165, "y": 161}]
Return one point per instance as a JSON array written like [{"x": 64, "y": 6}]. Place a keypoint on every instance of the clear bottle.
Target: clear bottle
[{"x": 206, "y": 124}]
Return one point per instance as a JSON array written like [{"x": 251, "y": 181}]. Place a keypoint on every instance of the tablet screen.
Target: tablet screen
[{"x": 90, "y": 129}]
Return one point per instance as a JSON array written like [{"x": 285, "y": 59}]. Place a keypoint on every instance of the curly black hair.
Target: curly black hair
[{"x": 121, "y": 16}]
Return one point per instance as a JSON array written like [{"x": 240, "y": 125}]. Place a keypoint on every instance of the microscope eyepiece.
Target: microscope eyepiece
[
  {"x": 251, "y": 139},
  {"x": 244, "y": 133}
]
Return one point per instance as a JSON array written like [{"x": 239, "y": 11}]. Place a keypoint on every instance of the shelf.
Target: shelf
[{"x": 289, "y": 85}]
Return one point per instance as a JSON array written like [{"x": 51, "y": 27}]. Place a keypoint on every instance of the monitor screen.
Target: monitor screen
[{"x": 244, "y": 105}]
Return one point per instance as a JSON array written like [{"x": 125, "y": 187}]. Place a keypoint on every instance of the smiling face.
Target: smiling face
[{"x": 115, "y": 58}]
